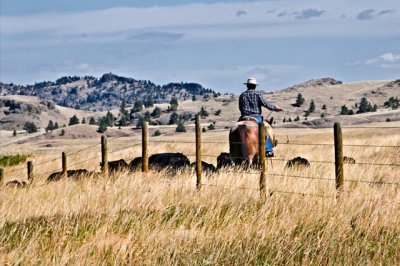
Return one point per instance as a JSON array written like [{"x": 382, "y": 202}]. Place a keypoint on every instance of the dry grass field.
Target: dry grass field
[{"x": 161, "y": 219}]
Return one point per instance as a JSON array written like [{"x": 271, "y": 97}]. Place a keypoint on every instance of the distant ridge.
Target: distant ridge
[
  {"x": 315, "y": 83},
  {"x": 94, "y": 94}
]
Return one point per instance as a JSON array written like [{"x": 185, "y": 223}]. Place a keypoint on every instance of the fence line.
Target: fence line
[{"x": 263, "y": 184}]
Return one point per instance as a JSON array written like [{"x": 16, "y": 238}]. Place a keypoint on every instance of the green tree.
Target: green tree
[
  {"x": 149, "y": 102},
  {"x": 194, "y": 98},
  {"x": 109, "y": 119},
  {"x": 180, "y": 128},
  {"x": 74, "y": 120},
  {"x": 299, "y": 100},
  {"x": 156, "y": 112},
  {"x": 365, "y": 106},
  {"x": 83, "y": 121},
  {"x": 137, "y": 107},
  {"x": 312, "y": 106},
  {"x": 30, "y": 127},
  {"x": 92, "y": 121},
  {"x": 173, "y": 104},
  {"x": 173, "y": 119},
  {"x": 346, "y": 111},
  {"x": 103, "y": 125},
  {"x": 56, "y": 126},
  {"x": 50, "y": 126},
  {"x": 203, "y": 112},
  {"x": 123, "y": 112}
]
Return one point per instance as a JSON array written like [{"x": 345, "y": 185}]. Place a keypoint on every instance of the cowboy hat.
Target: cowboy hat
[{"x": 251, "y": 81}]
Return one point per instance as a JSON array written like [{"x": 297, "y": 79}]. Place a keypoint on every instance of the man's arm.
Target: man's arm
[{"x": 268, "y": 104}]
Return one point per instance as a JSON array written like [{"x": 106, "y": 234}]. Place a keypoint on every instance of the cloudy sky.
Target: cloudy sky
[{"x": 214, "y": 42}]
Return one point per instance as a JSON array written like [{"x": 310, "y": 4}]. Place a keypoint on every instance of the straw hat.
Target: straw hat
[{"x": 251, "y": 81}]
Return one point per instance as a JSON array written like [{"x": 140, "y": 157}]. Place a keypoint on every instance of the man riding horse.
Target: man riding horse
[{"x": 250, "y": 103}]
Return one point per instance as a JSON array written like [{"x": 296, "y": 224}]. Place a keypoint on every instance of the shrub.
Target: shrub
[
  {"x": 218, "y": 112},
  {"x": 211, "y": 127},
  {"x": 62, "y": 132},
  {"x": 173, "y": 119},
  {"x": 180, "y": 128},
  {"x": 156, "y": 112},
  {"x": 10, "y": 160},
  {"x": 30, "y": 127},
  {"x": 157, "y": 133},
  {"x": 204, "y": 129}
]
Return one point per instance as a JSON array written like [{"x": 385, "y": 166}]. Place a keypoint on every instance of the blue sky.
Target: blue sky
[{"x": 216, "y": 43}]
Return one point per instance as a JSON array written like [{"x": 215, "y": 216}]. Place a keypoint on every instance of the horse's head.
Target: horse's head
[{"x": 270, "y": 131}]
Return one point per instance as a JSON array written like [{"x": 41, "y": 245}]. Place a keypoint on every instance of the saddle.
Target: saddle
[{"x": 247, "y": 118}]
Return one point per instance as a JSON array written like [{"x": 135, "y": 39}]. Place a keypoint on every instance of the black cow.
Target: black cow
[
  {"x": 72, "y": 174},
  {"x": 135, "y": 164},
  {"x": 224, "y": 160},
  {"x": 170, "y": 161},
  {"x": 206, "y": 167},
  {"x": 297, "y": 162},
  {"x": 349, "y": 160},
  {"x": 115, "y": 166}
]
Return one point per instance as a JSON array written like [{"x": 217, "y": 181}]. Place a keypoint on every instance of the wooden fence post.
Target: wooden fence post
[
  {"x": 30, "y": 171},
  {"x": 261, "y": 155},
  {"x": 104, "y": 156},
  {"x": 198, "y": 154},
  {"x": 1, "y": 176},
  {"x": 145, "y": 140},
  {"x": 339, "y": 178},
  {"x": 64, "y": 165}
]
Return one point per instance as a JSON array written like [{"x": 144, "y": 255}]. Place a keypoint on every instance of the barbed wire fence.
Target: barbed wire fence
[{"x": 144, "y": 141}]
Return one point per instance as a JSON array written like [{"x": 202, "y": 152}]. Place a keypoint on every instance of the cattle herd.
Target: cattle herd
[{"x": 171, "y": 162}]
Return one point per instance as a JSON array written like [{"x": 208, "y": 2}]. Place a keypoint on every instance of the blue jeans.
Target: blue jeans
[{"x": 268, "y": 145}]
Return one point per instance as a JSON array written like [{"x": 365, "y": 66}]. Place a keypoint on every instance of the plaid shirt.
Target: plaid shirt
[{"x": 250, "y": 103}]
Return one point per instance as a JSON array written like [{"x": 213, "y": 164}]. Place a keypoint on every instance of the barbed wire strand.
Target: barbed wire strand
[{"x": 372, "y": 182}]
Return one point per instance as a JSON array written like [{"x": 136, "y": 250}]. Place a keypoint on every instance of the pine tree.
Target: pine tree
[
  {"x": 173, "y": 119},
  {"x": 83, "y": 121},
  {"x": 174, "y": 104},
  {"x": 312, "y": 106},
  {"x": 194, "y": 98},
  {"x": 74, "y": 120},
  {"x": 156, "y": 112},
  {"x": 56, "y": 126},
  {"x": 50, "y": 126},
  {"x": 299, "y": 100},
  {"x": 92, "y": 121}
]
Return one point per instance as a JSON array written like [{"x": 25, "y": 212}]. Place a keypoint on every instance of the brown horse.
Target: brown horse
[{"x": 244, "y": 141}]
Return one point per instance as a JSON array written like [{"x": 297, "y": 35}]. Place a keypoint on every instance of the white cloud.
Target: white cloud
[
  {"x": 218, "y": 20},
  {"x": 386, "y": 60}
]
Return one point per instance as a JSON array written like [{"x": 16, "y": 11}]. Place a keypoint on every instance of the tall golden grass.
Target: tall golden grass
[{"x": 159, "y": 218}]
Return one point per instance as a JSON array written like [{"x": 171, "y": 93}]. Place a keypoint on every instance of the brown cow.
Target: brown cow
[{"x": 244, "y": 142}]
